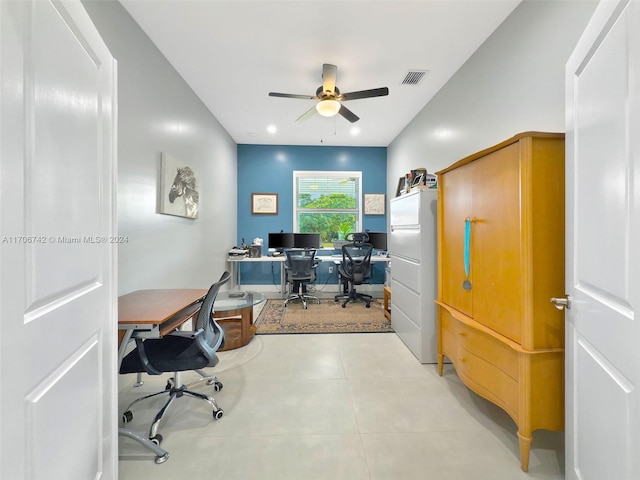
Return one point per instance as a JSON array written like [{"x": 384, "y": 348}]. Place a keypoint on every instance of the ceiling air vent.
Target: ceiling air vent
[{"x": 413, "y": 77}]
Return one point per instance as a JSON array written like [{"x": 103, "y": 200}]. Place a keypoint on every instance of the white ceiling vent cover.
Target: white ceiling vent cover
[{"x": 413, "y": 77}]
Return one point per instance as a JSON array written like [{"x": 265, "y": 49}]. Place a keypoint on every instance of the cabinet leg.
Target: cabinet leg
[
  {"x": 525, "y": 448},
  {"x": 440, "y": 363}
]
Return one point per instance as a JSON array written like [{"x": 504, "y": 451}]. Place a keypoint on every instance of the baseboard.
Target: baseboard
[{"x": 320, "y": 291}]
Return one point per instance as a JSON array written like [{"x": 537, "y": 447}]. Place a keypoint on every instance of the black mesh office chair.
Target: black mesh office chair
[
  {"x": 300, "y": 269},
  {"x": 177, "y": 352},
  {"x": 355, "y": 267}
]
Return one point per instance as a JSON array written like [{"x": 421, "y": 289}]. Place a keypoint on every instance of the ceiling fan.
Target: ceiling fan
[{"x": 330, "y": 98}]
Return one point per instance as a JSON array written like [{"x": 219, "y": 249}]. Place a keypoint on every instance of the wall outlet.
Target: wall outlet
[{"x": 330, "y": 269}]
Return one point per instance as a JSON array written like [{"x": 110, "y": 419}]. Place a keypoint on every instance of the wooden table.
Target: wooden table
[
  {"x": 234, "y": 313},
  {"x": 156, "y": 312}
]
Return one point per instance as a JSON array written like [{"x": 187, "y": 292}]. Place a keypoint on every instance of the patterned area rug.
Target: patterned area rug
[{"x": 328, "y": 317}]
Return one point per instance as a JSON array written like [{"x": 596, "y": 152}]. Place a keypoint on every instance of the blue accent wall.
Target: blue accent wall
[{"x": 269, "y": 169}]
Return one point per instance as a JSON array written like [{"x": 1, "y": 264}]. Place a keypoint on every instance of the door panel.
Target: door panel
[
  {"x": 603, "y": 234},
  {"x": 495, "y": 239},
  {"x": 65, "y": 140},
  {"x": 58, "y": 310},
  {"x": 456, "y": 194}
]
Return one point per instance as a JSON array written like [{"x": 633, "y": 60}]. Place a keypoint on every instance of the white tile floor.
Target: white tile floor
[{"x": 333, "y": 407}]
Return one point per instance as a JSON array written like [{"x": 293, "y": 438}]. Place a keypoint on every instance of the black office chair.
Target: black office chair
[
  {"x": 177, "y": 352},
  {"x": 355, "y": 268},
  {"x": 300, "y": 269}
]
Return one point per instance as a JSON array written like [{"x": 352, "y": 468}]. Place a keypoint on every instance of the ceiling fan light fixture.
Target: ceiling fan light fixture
[{"x": 328, "y": 108}]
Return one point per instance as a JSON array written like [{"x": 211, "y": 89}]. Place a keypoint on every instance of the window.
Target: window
[{"x": 327, "y": 203}]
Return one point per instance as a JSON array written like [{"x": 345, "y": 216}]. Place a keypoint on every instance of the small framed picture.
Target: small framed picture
[
  {"x": 264, "y": 203},
  {"x": 374, "y": 203},
  {"x": 400, "y": 189}
]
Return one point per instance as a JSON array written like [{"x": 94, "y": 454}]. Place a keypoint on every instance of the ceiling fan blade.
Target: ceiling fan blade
[
  {"x": 306, "y": 115},
  {"x": 292, "y": 95},
  {"x": 329, "y": 73},
  {"x": 348, "y": 114},
  {"x": 374, "y": 92}
]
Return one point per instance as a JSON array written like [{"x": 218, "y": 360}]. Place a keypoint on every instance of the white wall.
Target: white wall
[
  {"x": 158, "y": 112},
  {"x": 513, "y": 83}
]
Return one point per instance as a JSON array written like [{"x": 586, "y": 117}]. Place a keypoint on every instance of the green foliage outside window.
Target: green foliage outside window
[{"x": 326, "y": 215}]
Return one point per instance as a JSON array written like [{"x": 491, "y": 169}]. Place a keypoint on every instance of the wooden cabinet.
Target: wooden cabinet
[{"x": 500, "y": 260}]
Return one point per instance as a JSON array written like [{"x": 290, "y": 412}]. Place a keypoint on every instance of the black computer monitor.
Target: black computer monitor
[
  {"x": 280, "y": 241},
  {"x": 306, "y": 240},
  {"x": 378, "y": 240}
]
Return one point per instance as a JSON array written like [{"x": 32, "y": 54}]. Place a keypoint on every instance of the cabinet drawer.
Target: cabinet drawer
[
  {"x": 489, "y": 380},
  {"x": 407, "y": 301},
  {"x": 449, "y": 344},
  {"x": 405, "y": 243},
  {"x": 406, "y": 273},
  {"x": 405, "y": 210},
  {"x": 482, "y": 345}
]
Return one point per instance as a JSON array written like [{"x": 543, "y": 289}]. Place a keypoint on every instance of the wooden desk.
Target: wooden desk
[
  {"x": 153, "y": 313},
  {"x": 156, "y": 306}
]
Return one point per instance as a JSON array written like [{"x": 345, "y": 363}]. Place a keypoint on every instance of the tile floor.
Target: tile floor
[{"x": 333, "y": 407}]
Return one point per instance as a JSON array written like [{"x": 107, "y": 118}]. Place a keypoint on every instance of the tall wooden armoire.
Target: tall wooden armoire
[{"x": 500, "y": 260}]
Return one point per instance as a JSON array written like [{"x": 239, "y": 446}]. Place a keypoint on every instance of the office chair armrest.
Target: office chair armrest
[
  {"x": 144, "y": 360},
  {"x": 186, "y": 333}
]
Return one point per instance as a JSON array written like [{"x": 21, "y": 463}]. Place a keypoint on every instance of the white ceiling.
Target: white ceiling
[{"x": 233, "y": 53}]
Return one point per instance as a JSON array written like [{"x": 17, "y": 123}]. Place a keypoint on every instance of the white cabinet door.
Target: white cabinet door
[{"x": 603, "y": 254}]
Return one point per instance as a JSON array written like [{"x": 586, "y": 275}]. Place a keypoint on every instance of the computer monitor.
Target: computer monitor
[
  {"x": 378, "y": 240},
  {"x": 306, "y": 240},
  {"x": 280, "y": 241}
]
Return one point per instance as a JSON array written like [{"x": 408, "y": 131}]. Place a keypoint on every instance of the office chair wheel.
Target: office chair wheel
[
  {"x": 157, "y": 439},
  {"x": 127, "y": 416},
  {"x": 368, "y": 305},
  {"x": 344, "y": 305},
  {"x": 217, "y": 414},
  {"x": 217, "y": 386}
]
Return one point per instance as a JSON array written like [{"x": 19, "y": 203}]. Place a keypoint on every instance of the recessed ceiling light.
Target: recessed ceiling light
[
  {"x": 251, "y": 134},
  {"x": 355, "y": 131},
  {"x": 272, "y": 129}
]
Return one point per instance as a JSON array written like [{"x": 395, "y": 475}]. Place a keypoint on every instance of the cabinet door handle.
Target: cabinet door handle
[{"x": 466, "y": 284}]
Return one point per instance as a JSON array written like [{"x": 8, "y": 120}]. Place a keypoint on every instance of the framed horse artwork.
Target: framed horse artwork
[{"x": 178, "y": 188}]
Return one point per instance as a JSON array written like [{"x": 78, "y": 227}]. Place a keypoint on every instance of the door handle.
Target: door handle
[{"x": 561, "y": 302}]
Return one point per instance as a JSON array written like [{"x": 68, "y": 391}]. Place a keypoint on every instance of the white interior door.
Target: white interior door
[
  {"x": 603, "y": 247},
  {"x": 57, "y": 218}
]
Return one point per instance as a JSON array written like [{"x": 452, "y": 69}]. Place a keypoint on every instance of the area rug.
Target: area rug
[{"x": 327, "y": 317}]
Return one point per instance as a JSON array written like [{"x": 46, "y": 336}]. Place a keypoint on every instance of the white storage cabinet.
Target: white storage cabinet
[{"x": 413, "y": 272}]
